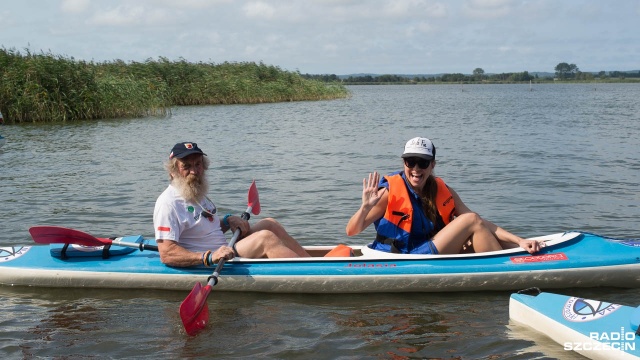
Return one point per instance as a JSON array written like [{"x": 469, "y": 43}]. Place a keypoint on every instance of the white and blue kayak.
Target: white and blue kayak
[
  {"x": 595, "y": 329},
  {"x": 571, "y": 259}
]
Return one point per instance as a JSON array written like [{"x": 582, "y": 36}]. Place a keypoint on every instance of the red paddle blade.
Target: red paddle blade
[
  {"x": 194, "y": 310},
  {"x": 62, "y": 235},
  {"x": 254, "y": 199}
]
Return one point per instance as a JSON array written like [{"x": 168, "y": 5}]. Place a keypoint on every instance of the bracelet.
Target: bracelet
[
  {"x": 206, "y": 258},
  {"x": 225, "y": 220}
]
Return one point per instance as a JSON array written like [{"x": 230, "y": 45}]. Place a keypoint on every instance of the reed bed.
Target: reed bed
[{"x": 45, "y": 87}]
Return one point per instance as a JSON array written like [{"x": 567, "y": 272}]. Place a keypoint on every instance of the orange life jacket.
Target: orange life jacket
[{"x": 398, "y": 217}]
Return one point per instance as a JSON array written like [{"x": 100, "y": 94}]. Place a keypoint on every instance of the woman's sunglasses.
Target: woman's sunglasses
[{"x": 412, "y": 161}]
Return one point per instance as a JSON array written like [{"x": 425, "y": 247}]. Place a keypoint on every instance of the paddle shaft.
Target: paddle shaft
[
  {"x": 213, "y": 279},
  {"x": 139, "y": 246}
]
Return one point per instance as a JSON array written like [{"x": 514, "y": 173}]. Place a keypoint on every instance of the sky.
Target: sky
[{"x": 339, "y": 37}]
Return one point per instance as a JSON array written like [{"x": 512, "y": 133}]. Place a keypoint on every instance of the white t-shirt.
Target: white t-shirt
[{"x": 179, "y": 220}]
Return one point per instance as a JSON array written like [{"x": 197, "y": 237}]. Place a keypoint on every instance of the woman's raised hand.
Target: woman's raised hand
[{"x": 370, "y": 194}]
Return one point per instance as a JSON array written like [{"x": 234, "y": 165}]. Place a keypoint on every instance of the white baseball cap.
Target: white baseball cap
[{"x": 419, "y": 147}]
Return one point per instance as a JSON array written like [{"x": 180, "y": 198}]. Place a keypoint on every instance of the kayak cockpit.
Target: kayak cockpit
[{"x": 320, "y": 252}]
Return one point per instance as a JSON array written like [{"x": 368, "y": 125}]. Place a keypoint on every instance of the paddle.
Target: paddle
[
  {"x": 62, "y": 235},
  {"x": 194, "y": 311}
]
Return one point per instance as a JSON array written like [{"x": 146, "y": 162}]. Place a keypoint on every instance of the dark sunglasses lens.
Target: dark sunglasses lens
[
  {"x": 207, "y": 215},
  {"x": 422, "y": 163}
]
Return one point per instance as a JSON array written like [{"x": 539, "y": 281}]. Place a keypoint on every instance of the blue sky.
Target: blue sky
[{"x": 337, "y": 36}]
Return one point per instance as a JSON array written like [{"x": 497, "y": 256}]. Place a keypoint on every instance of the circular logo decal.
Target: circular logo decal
[{"x": 581, "y": 310}]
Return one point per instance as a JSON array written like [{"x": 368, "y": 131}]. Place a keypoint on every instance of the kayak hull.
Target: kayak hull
[
  {"x": 568, "y": 260},
  {"x": 326, "y": 284}
]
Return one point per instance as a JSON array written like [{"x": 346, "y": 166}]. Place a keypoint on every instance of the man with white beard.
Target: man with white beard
[{"x": 188, "y": 229}]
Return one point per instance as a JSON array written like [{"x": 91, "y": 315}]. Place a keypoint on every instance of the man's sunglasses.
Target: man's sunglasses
[
  {"x": 412, "y": 161},
  {"x": 209, "y": 214}
]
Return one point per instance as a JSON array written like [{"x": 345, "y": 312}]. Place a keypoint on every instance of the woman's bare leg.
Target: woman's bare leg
[
  {"x": 466, "y": 226},
  {"x": 263, "y": 244},
  {"x": 286, "y": 240}
]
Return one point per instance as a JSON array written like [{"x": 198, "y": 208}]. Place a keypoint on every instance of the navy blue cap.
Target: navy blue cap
[{"x": 180, "y": 150}]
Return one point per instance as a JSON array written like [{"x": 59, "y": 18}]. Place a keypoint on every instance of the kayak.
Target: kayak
[
  {"x": 595, "y": 329},
  {"x": 570, "y": 259}
]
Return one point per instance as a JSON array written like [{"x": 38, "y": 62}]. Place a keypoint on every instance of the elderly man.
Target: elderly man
[{"x": 188, "y": 229}]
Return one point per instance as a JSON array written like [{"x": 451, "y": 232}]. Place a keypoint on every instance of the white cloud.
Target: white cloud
[
  {"x": 192, "y": 4},
  {"x": 213, "y": 37},
  {"x": 251, "y": 49},
  {"x": 74, "y": 6},
  {"x": 330, "y": 48},
  {"x": 132, "y": 15},
  {"x": 420, "y": 28},
  {"x": 259, "y": 9},
  {"x": 487, "y": 9},
  {"x": 413, "y": 8}
]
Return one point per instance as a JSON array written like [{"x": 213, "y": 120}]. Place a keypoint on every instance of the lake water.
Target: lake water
[{"x": 535, "y": 161}]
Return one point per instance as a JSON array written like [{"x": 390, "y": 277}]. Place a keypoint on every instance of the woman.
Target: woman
[{"x": 415, "y": 212}]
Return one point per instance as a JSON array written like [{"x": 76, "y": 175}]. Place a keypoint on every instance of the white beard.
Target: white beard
[{"x": 191, "y": 188}]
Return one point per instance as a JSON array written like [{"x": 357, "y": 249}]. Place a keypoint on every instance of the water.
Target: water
[{"x": 557, "y": 158}]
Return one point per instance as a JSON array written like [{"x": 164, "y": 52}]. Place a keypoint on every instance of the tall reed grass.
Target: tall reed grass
[{"x": 45, "y": 87}]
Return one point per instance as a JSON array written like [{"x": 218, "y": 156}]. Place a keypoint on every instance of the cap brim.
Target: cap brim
[
  {"x": 422, "y": 156},
  {"x": 189, "y": 152}
]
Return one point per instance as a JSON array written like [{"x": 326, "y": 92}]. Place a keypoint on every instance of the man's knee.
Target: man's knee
[
  {"x": 266, "y": 237},
  {"x": 269, "y": 224},
  {"x": 271, "y": 221}
]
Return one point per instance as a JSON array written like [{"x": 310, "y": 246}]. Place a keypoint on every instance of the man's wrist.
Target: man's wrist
[
  {"x": 206, "y": 258},
  {"x": 225, "y": 220}
]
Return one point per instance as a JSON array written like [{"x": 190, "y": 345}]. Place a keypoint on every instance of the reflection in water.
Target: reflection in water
[
  {"x": 409, "y": 333},
  {"x": 417, "y": 328},
  {"x": 534, "y": 342},
  {"x": 69, "y": 323}
]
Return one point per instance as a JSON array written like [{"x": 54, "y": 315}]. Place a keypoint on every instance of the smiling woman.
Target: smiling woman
[{"x": 415, "y": 212}]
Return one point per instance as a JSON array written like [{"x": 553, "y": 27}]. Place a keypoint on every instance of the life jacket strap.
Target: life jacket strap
[{"x": 388, "y": 241}]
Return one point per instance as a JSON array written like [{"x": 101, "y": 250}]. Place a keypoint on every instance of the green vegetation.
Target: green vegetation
[
  {"x": 51, "y": 88},
  {"x": 439, "y": 79},
  {"x": 563, "y": 72}
]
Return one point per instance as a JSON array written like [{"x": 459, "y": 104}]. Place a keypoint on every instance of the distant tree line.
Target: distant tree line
[
  {"x": 444, "y": 78},
  {"x": 563, "y": 71}
]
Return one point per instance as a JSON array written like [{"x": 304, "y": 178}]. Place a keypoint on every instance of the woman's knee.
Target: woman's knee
[{"x": 471, "y": 219}]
